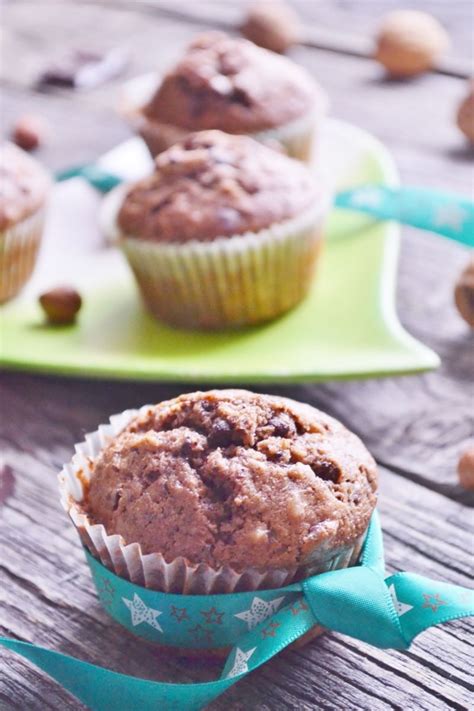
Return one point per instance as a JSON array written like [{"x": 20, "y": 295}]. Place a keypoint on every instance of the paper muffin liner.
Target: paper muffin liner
[
  {"x": 152, "y": 570},
  {"x": 298, "y": 139},
  {"x": 230, "y": 281},
  {"x": 19, "y": 245}
]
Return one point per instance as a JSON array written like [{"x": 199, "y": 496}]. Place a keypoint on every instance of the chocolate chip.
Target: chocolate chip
[
  {"x": 326, "y": 470},
  {"x": 239, "y": 96},
  {"x": 228, "y": 219},
  {"x": 187, "y": 449},
  {"x": 221, "y": 434},
  {"x": 152, "y": 476},
  {"x": 118, "y": 496},
  {"x": 282, "y": 425}
]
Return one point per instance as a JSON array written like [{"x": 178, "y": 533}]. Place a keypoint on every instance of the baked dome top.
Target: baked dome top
[{"x": 233, "y": 477}]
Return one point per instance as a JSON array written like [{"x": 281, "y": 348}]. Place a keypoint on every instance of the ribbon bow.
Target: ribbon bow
[{"x": 358, "y": 601}]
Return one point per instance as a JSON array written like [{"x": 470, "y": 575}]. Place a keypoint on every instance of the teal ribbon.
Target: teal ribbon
[
  {"x": 387, "y": 612},
  {"x": 447, "y": 214}
]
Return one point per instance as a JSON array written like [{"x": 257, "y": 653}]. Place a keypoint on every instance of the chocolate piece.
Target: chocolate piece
[{"x": 82, "y": 69}]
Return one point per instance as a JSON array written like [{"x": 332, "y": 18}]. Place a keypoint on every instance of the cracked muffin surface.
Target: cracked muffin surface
[
  {"x": 231, "y": 84},
  {"x": 214, "y": 185},
  {"x": 234, "y": 478}
]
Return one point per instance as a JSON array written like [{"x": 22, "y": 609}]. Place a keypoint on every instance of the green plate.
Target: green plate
[{"x": 346, "y": 328}]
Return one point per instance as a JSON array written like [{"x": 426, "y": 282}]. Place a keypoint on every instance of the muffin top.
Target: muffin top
[
  {"x": 23, "y": 185},
  {"x": 216, "y": 185},
  {"x": 231, "y": 84},
  {"x": 232, "y": 477}
]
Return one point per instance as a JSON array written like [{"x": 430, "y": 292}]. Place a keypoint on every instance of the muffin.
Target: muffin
[
  {"x": 222, "y": 491},
  {"x": 225, "y": 232},
  {"x": 230, "y": 84},
  {"x": 24, "y": 187}
]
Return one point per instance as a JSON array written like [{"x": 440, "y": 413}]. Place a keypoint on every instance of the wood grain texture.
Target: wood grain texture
[{"x": 416, "y": 426}]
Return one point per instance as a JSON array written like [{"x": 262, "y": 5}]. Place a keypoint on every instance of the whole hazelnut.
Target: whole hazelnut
[
  {"x": 466, "y": 469},
  {"x": 464, "y": 293},
  {"x": 465, "y": 115},
  {"x": 61, "y": 304},
  {"x": 29, "y": 132},
  {"x": 272, "y": 25},
  {"x": 410, "y": 42}
]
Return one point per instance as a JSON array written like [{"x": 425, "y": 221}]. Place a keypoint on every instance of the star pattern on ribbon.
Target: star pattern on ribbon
[
  {"x": 298, "y": 607},
  {"x": 240, "y": 665},
  {"x": 179, "y": 613},
  {"x": 450, "y": 216},
  {"x": 467, "y": 597},
  {"x": 212, "y": 616},
  {"x": 201, "y": 634},
  {"x": 400, "y": 607},
  {"x": 270, "y": 630},
  {"x": 259, "y": 611},
  {"x": 106, "y": 591},
  {"x": 139, "y": 612},
  {"x": 433, "y": 602}
]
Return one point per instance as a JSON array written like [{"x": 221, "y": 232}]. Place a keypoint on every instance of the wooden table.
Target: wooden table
[{"x": 415, "y": 426}]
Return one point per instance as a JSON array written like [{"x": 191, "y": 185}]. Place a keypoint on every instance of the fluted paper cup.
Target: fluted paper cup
[
  {"x": 297, "y": 139},
  {"x": 152, "y": 570},
  {"x": 230, "y": 281},
  {"x": 19, "y": 245}
]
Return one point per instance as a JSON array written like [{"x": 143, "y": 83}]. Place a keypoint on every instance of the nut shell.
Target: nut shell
[
  {"x": 61, "y": 304},
  {"x": 410, "y": 42},
  {"x": 464, "y": 294},
  {"x": 465, "y": 114},
  {"x": 466, "y": 469},
  {"x": 29, "y": 132},
  {"x": 274, "y": 26}
]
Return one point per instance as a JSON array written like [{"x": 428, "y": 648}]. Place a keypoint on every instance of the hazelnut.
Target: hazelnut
[
  {"x": 61, "y": 304},
  {"x": 410, "y": 42},
  {"x": 29, "y": 132},
  {"x": 465, "y": 115},
  {"x": 272, "y": 25},
  {"x": 466, "y": 469},
  {"x": 464, "y": 293}
]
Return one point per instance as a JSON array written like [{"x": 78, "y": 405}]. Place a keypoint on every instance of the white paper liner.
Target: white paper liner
[
  {"x": 298, "y": 138},
  {"x": 152, "y": 570},
  {"x": 19, "y": 245},
  {"x": 230, "y": 281}
]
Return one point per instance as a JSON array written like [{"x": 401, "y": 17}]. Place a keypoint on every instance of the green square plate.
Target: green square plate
[{"x": 346, "y": 328}]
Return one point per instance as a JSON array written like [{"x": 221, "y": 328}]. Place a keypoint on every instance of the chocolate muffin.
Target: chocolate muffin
[
  {"x": 225, "y": 232},
  {"x": 236, "y": 480},
  {"x": 24, "y": 187},
  {"x": 230, "y": 84}
]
